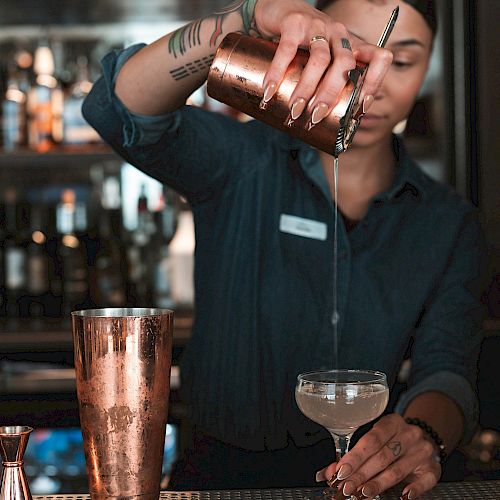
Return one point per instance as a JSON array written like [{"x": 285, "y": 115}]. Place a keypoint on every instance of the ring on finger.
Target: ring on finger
[
  {"x": 318, "y": 38},
  {"x": 395, "y": 447}
]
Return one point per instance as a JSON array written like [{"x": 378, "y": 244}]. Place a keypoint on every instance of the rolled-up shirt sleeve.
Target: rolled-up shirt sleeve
[
  {"x": 192, "y": 150},
  {"x": 448, "y": 337}
]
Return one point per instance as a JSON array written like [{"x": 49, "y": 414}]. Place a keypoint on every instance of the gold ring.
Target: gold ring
[{"x": 318, "y": 38}]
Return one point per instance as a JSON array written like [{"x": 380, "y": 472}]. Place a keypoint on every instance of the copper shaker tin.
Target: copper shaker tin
[
  {"x": 122, "y": 363},
  {"x": 236, "y": 78}
]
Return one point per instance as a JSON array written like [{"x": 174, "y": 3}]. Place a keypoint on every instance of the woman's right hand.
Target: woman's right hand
[{"x": 333, "y": 52}]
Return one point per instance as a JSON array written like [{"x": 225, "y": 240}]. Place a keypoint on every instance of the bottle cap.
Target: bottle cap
[{"x": 44, "y": 61}]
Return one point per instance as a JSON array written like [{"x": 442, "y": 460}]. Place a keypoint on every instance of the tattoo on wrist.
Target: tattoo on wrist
[
  {"x": 395, "y": 447},
  {"x": 192, "y": 68},
  {"x": 246, "y": 10},
  {"x": 188, "y": 36},
  {"x": 346, "y": 44},
  {"x": 185, "y": 38}
]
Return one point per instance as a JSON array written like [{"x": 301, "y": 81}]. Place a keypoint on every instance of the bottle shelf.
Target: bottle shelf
[
  {"x": 58, "y": 157},
  {"x": 50, "y": 380},
  {"x": 55, "y": 335}
]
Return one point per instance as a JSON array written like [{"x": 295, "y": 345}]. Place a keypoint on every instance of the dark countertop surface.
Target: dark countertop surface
[{"x": 485, "y": 490}]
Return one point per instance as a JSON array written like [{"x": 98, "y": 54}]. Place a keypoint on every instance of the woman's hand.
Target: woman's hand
[
  {"x": 297, "y": 24},
  {"x": 391, "y": 452}
]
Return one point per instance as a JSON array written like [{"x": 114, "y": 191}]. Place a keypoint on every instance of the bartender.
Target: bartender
[{"x": 409, "y": 248}]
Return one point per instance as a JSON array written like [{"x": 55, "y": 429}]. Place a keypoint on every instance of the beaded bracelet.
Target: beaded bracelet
[{"x": 432, "y": 434}]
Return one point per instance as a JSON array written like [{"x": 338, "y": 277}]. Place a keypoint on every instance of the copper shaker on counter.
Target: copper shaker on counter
[
  {"x": 122, "y": 364},
  {"x": 237, "y": 74}
]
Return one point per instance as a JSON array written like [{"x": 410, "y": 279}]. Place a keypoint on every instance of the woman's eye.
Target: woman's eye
[{"x": 401, "y": 64}]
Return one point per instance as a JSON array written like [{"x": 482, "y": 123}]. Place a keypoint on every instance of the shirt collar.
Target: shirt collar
[{"x": 409, "y": 177}]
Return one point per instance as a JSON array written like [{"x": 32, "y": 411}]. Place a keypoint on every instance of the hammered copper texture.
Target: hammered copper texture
[
  {"x": 236, "y": 77},
  {"x": 122, "y": 368}
]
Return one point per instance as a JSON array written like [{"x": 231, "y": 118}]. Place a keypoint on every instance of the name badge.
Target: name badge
[{"x": 299, "y": 226}]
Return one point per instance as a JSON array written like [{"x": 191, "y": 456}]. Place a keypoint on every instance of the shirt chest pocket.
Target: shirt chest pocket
[{"x": 304, "y": 242}]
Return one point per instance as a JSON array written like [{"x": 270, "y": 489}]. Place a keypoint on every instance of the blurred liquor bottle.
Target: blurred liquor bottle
[
  {"x": 76, "y": 130},
  {"x": 165, "y": 217},
  {"x": 3, "y": 230},
  {"x": 38, "y": 263},
  {"x": 14, "y": 110},
  {"x": 71, "y": 253},
  {"x": 45, "y": 104},
  {"x": 16, "y": 256},
  {"x": 181, "y": 258},
  {"x": 139, "y": 286},
  {"x": 109, "y": 288}
]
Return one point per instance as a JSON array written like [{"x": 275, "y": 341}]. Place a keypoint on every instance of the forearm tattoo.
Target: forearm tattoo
[
  {"x": 246, "y": 10},
  {"x": 191, "y": 68},
  {"x": 188, "y": 36},
  {"x": 185, "y": 38},
  {"x": 346, "y": 44}
]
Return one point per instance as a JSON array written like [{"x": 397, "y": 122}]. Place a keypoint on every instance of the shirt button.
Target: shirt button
[{"x": 335, "y": 317}]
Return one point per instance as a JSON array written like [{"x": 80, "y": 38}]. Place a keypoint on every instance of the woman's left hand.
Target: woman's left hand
[{"x": 391, "y": 452}]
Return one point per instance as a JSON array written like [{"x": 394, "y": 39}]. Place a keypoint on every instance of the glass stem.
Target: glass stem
[{"x": 341, "y": 444}]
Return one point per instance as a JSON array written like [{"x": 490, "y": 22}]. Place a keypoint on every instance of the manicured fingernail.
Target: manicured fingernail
[
  {"x": 320, "y": 476},
  {"x": 333, "y": 481},
  {"x": 319, "y": 112},
  {"x": 407, "y": 494},
  {"x": 269, "y": 92},
  {"x": 295, "y": 111},
  {"x": 348, "y": 488},
  {"x": 298, "y": 108},
  {"x": 368, "y": 491},
  {"x": 367, "y": 102},
  {"x": 344, "y": 471}
]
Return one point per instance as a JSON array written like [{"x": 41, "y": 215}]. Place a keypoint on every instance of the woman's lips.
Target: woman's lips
[{"x": 371, "y": 120}]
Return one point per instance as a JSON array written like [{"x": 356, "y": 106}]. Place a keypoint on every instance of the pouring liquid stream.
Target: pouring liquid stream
[{"x": 335, "y": 313}]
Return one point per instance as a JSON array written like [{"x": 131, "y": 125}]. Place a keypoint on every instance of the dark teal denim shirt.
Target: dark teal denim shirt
[{"x": 407, "y": 273}]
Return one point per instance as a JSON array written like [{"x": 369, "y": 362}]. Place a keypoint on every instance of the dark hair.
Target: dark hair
[{"x": 426, "y": 7}]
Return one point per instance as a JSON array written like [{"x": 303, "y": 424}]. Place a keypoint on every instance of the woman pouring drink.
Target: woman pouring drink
[{"x": 408, "y": 248}]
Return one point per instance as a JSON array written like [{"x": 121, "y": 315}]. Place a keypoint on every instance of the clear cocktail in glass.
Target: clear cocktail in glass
[{"x": 342, "y": 401}]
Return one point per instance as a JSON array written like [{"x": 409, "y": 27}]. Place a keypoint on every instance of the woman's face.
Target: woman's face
[{"x": 410, "y": 42}]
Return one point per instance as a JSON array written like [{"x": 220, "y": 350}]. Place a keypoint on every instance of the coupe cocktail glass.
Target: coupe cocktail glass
[{"x": 342, "y": 401}]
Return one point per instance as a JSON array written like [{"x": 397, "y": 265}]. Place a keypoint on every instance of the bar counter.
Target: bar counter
[{"x": 467, "y": 490}]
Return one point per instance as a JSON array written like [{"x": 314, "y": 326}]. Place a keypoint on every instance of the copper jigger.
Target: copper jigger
[
  {"x": 122, "y": 363},
  {"x": 13, "y": 441}
]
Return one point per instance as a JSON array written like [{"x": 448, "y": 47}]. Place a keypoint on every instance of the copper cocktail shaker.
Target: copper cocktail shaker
[
  {"x": 237, "y": 74},
  {"x": 122, "y": 363}
]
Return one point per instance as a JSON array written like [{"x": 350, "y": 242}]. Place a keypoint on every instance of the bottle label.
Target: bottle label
[
  {"x": 76, "y": 129},
  {"x": 15, "y": 267},
  {"x": 38, "y": 274},
  {"x": 40, "y": 126},
  {"x": 13, "y": 125}
]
